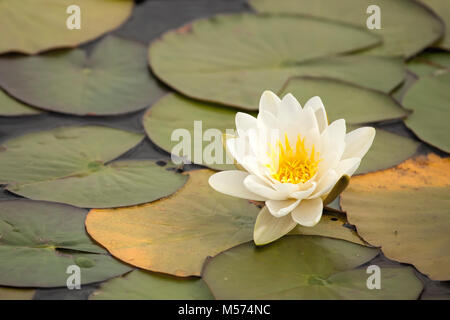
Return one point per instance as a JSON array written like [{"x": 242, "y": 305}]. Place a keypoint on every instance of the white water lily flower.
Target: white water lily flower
[{"x": 292, "y": 160}]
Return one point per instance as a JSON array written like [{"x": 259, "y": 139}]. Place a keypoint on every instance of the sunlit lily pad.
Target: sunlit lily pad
[
  {"x": 40, "y": 240},
  {"x": 303, "y": 267},
  {"x": 430, "y": 64},
  {"x": 231, "y": 59},
  {"x": 7, "y": 293},
  {"x": 406, "y": 211},
  {"x": 407, "y": 27},
  {"x": 175, "y": 235},
  {"x": 11, "y": 107},
  {"x": 112, "y": 79},
  {"x": 72, "y": 165},
  {"x": 442, "y": 9},
  {"x": 31, "y": 26},
  {"x": 176, "y": 112},
  {"x": 141, "y": 285},
  {"x": 429, "y": 99}
]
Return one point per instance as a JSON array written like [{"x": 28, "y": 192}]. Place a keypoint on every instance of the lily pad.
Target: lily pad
[
  {"x": 405, "y": 211},
  {"x": 175, "y": 235},
  {"x": 7, "y": 293},
  {"x": 442, "y": 9},
  {"x": 37, "y": 25},
  {"x": 112, "y": 79},
  {"x": 141, "y": 285},
  {"x": 40, "y": 240},
  {"x": 304, "y": 267},
  {"x": 429, "y": 98},
  {"x": 407, "y": 27},
  {"x": 12, "y": 107},
  {"x": 430, "y": 64},
  {"x": 72, "y": 165},
  {"x": 244, "y": 54}
]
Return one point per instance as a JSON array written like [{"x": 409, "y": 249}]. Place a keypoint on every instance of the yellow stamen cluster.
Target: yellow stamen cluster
[{"x": 292, "y": 166}]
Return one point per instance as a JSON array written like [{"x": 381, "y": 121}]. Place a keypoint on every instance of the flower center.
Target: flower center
[{"x": 292, "y": 166}]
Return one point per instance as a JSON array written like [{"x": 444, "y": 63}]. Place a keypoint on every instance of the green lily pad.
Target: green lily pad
[
  {"x": 40, "y": 240},
  {"x": 37, "y": 25},
  {"x": 7, "y": 293},
  {"x": 72, "y": 165},
  {"x": 11, "y": 107},
  {"x": 175, "y": 235},
  {"x": 112, "y": 79},
  {"x": 442, "y": 9},
  {"x": 141, "y": 285},
  {"x": 405, "y": 211},
  {"x": 176, "y": 112},
  {"x": 304, "y": 267},
  {"x": 429, "y": 99},
  {"x": 430, "y": 64},
  {"x": 244, "y": 54},
  {"x": 407, "y": 27},
  {"x": 347, "y": 101}
]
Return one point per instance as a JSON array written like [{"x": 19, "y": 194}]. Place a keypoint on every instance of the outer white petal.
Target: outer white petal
[
  {"x": 332, "y": 146},
  {"x": 315, "y": 103},
  {"x": 244, "y": 122},
  {"x": 269, "y": 102},
  {"x": 268, "y": 228},
  {"x": 308, "y": 212},
  {"x": 279, "y": 208},
  {"x": 358, "y": 142},
  {"x": 326, "y": 183},
  {"x": 238, "y": 149},
  {"x": 232, "y": 183},
  {"x": 289, "y": 111},
  {"x": 258, "y": 186},
  {"x": 267, "y": 120},
  {"x": 347, "y": 166},
  {"x": 303, "y": 194}
]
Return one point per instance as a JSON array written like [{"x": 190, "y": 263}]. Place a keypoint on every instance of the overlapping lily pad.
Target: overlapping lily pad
[
  {"x": 40, "y": 240},
  {"x": 231, "y": 59},
  {"x": 407, "y": 27},
  {"x": 31, "y": 26},
  {"x": 429, "y": 98},
  {"x": 430, "y": 64},
  {"x": 176, "y": 112},
  {"x": 303, "y": 267},
  {"x": 112, "y": 79},
  {"x": 441, "y": 8},
  {"x": 72, "y": 165},
  {"x": 175, "y": 235},
  {"x": 7, "y": 293},
  {"x": 12, "y": 107},
  {"x": 141, "y": 285},
  {"x": 406, "y": 211}
]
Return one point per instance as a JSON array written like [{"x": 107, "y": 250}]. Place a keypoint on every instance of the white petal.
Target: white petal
[
  {"x": 267, "y": 121},
  {"x": 326, "y": 183},
  {"x": 281, "y": 208},
  {"x": 347, "y": 166},
  {"x": 244, "y": 122},
  {"x": 269, "y": 102},
  {"x": 308, "y": 212},
  {"x": 358, "y": 142},
  {"x": 315, "y": 103},
  {"x": 268, "y": 228},
  {"x": 232, "y": 183},
  {"x": 258, "y": 186},
  {"x": 302, "y": 194},
  {"x": 332, "y": 146},
  {"x": 289, "y": 111},
  {"x": 238, "y": 148}
]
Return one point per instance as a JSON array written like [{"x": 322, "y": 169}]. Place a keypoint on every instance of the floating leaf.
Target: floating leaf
[
  {"x": 16, "y": 294},
  {"x": 405, "y": 211},
  {"x": 303, "y": 267},
  {"x": 175, "y": 235},
  {"x": 12, "y": 107},
  {"x": 40, "y": 240},
  {"x": 72, "y": 165},
  {"x": 141, "y": 285},
  {"x": 430, "y": 64},
  {"x": 441, "y": 8},
  {"x": 407, "y": 27},
  {"x": 244, "y": 54},
  {"x": 429, "y": 98},
  {"x": 113, "y": 79},
  {"x": 31, "y": 26}
]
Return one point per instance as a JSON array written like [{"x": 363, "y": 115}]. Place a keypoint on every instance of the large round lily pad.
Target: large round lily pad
[
  {"x": 231, "y": 59},
  {"x": 8, "y": 293},
  {"x": 429, "y": 98},
  {"x": 405, "y": 210},
  {"x": 40, "y": 240},
  {"x": 304, "y": 267},
  {"x": 12, "y": 107},
  {"x": 431, "y": 63},
  {"x": 176, "y": 112},
  {"x": 175, "y": 235},
  {"x": 31, "y": 26},
  {"x": 407, "y": 27},
  {"x": 441, "y": 8},
  {"x": 141, "y": 285},
  {"x": 72, "y": 165},
  {"x": 112, "y": 79}
]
